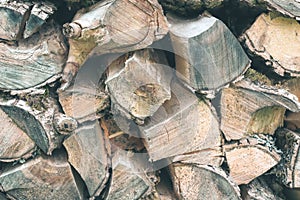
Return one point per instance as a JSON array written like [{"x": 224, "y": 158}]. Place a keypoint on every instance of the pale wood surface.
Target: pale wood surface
[{"x": 208, "y": 55}]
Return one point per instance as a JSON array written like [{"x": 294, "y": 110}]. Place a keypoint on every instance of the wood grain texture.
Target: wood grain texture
[
  {"x": 288, "y": 7},
  {"x": 14, "y": 142},
  {"x": 267, "y": 34},
  {"x": 182, "y": 126},
  {"x": 208, "y": 55},
  {"x": 42, "y": 178},
  {"x": 34, "y": 61},
  {"x": 248, "y": 159},
  {"x": 195, "y": 182},
  {"x": 88, "y": 152},
  {"x": 139, "y": 83}
]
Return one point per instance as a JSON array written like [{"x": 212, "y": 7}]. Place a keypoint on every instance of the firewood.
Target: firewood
[
  {"x": 208, "y": 56},
  {"x": 34, "y": 61},
  {"x": 262, "y": 38},
  {"x": 250, "y": 108},
  {"x": 139, "y": 83},
  {"x": 109, "y": 27},
  {"x": 89, "y": 153},
  {"x": 42, "y": 178},
  {"x": 258, "y": 189},
  {"x": 250, "y": 158},
  {"x": 195, "y": 182},
  {"x": 22, "y": 19},
  {"x": 184, "y": 126},
  {"x": 40, "y": 118},
  {"x": 288, "y": 171},
  {"x": 14, "y": 143}
]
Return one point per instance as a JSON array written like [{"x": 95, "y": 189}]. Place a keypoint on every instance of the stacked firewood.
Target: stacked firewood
[{"x": 147, "y": 99}]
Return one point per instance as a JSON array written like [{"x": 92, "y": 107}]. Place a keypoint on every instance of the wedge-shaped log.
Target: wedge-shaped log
[
  {"x": 262, "y": 39},
  {"x": 89, "y": 153},
  {"x": 34, "y": 61},
  {"x": 250, "y": 158},
  {"x": 130, "y": 176},
  {"x": 182, "y": 126},
  {"x": 22, "y": 19},
  {"x": 289, "y": 169},
  {"x": 40, "y": 118},
  {"x": 139, "y": 83},
  {"x": 109, "y": 27},
  {"x": 208, "y": 55},
  {"x": 14, "y": 142},
  {"x": 42, "y": 178},
  {"x": 195, "y": 182},
  {"x": 251, "y": 108},
  {"x": 258, "y": 189}
]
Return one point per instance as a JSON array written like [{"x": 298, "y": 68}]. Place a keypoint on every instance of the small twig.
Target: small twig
[{"x": 116, "y": 134}]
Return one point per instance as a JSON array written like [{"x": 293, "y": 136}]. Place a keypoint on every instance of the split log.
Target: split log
[
  {"x": 184, "y": 127},
  {"x": 189, "y": 8},
  {"x": 208, "y": 56},
  {"x": 195, "y": 182},
  {"x": 267, "y": 34},
  {"x": 23, "y": 19},
  {"x": 288, "y": 171},
  {"x": 258, "y": 189},
  {"x": 40, "y": 118},
  {"x": 34, "y": 61},
  {"x": 14, "y": 142},
  {"x": 112, "y": 30},
  {"x": 250, "y": 108},
  {"x": 139, "y": 83},
  {"x": 42, "y": 178},
  {"x": 134, "y": 172},
  {"x": 89, "y": 153},
  {"x": 250, "y": 158}
]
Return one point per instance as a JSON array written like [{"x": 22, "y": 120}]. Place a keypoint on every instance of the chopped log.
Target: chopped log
[
  {"x": 42, "y": 178},
  {"x": 40, "y": 118},
  {"x": 131, "y": 172},
  {"x": 83, "y": 102},
  {"x": 251, "y": 108},
  {"x": 184, "y": 127},
  {"x": 14, "y": 142},
  {"x": 189, "y": 8},
  {"x": 250, "y": 158},
  {"x": 258, "y": 189},
  {"x": 22, "y": 19},
  {"x": 288, "y": 171},
  {"x": 89, "y": 153},
  {"x": 112, "y": 30},
  {"x": 139, "y": 83},
  {"x": 208, "y": 56},
  {"x": 33, "y": 61},
  {"x": 195, "y": 182},
  {"x": 262, "y": 38}
]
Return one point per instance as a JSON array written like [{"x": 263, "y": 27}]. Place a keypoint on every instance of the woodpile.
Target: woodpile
[{"x": 150, "y": 99}]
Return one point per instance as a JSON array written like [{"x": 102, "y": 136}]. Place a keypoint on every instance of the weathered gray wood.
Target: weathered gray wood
[
  {"x": 34, "y": 61},
  {"x": 139, "y": 83},
  {"x": 191, "y": 7},
  {"x": 250, "y": 158},
  {"x": 183, "y": 126},
  {"x": 208, "y": 56},
  {"x": 89, "y": 153},
  {"x": 22, "y": 19},
  {"x": 258, "y": 189},
  {"x": 40, "y": 118},
  {"x": 251, "y": 108},
  {"x": 262, "y": 39},
  {"x": 112, "y": 30},
  {"x": 42, "y": 178},
  {"x": 289, "y": 169},
  {"x": 14, "y": 142},
  {"x": 195, "y": 182}
]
